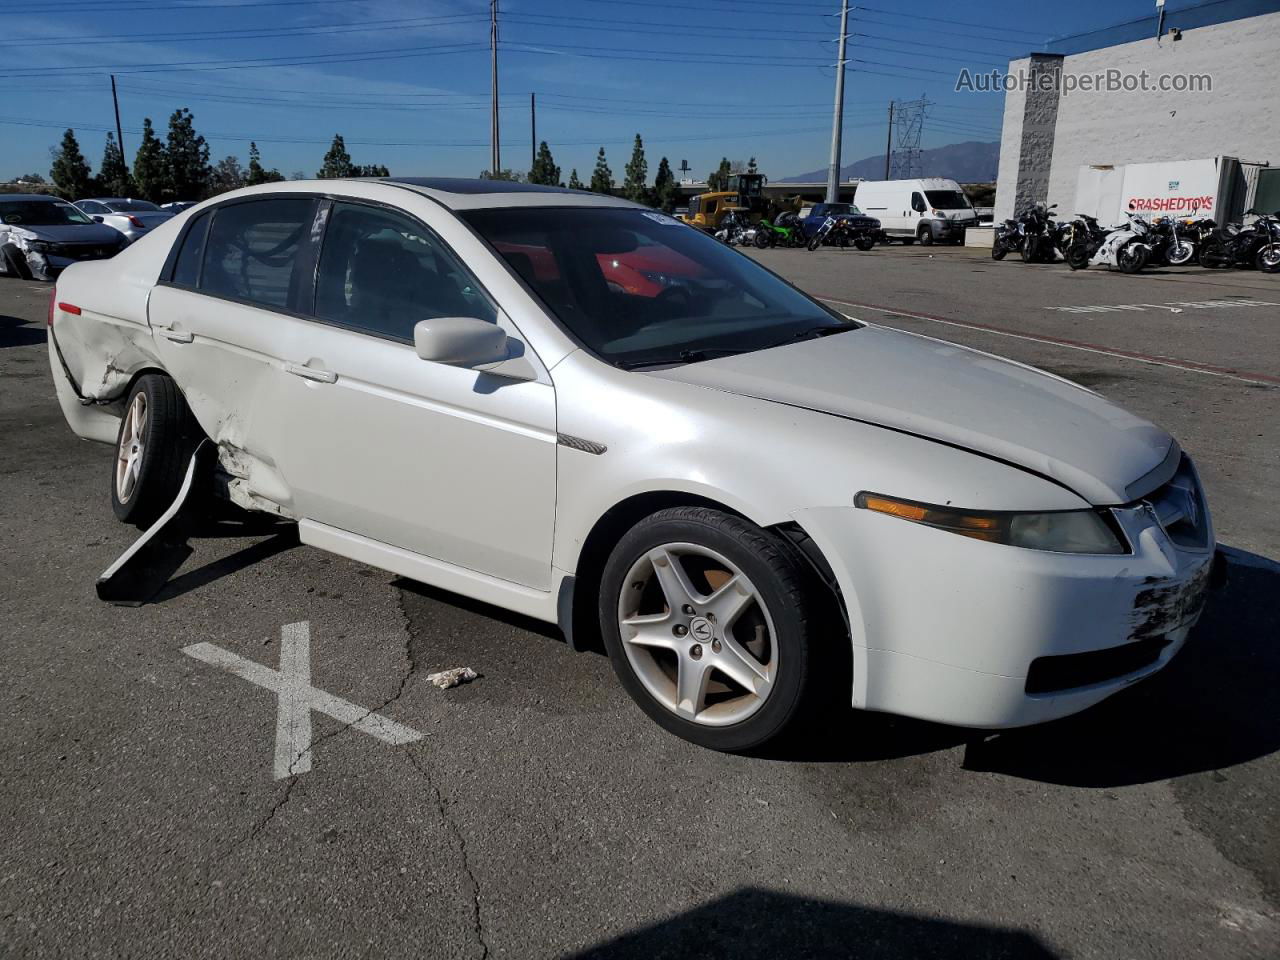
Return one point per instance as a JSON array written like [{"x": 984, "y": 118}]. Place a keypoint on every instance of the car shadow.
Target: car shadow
[
  {"x": 16, "y": 332},
  {"x": 1214, "y": 705},
  {"x": 762, "y": 923}
]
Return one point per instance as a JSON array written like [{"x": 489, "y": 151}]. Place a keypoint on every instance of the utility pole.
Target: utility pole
[
  {"x": 119, "y": 134},
  {"x": 533, "y": 130},
  {"x": 888, "y": 143},
  {"x": 837, "y": 118},
  {"x": 496, "y": 159}
]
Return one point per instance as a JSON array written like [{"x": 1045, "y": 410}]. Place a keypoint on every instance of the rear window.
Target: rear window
[
  {"x": 187, "y": 269},
  {"x": 252, "y": 249},
  {"x": 131, "y": 206}
]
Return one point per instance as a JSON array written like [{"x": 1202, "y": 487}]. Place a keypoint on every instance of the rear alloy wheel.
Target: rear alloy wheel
[
  {"x": 156, "y": 439},
  {"x": 708, "y": 623}
]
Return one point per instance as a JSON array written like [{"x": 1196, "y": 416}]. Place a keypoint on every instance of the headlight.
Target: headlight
[
  {"x": 1068, "y": 531},
  {"x": 37, "y": 246}
]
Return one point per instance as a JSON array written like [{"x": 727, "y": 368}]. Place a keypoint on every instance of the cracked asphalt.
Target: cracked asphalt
[{"x": 541, "y": 815}]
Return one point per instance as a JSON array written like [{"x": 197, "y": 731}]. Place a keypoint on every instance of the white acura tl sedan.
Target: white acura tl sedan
[{"x": 587, "y": 412}]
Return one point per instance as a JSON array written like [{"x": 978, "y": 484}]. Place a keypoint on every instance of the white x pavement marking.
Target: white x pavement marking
[{"x": 297, "y": 698}]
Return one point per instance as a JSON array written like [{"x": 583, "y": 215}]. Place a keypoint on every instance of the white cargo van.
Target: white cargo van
[{"x": 929, "y": 209}]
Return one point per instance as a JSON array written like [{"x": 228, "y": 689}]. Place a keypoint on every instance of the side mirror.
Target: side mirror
[
  {"x": 460, "y": 341},
  {"x": 97, "y": 219}
]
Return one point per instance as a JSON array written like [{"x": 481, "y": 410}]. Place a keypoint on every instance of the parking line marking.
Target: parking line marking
[
  {"x": 298, "y": 698},
  {"x": 1191, "y": 366}
]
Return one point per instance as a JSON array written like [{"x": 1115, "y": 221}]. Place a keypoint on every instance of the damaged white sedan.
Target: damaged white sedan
[{"x": 587, "y": 412}]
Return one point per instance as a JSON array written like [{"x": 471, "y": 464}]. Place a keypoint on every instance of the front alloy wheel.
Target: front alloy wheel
[
  {"x": 708, "y": 623},
  {"x": 1268, "y": 260}
]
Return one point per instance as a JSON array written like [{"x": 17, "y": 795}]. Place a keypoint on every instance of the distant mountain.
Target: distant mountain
[{"x": 970, "y": 162}]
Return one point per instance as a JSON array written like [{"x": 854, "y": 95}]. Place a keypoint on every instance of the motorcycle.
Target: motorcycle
[
  {"x": 735, "y": 230},
  {"x": 1038, "y": 231},
  {"x": 1008, "y": 239},
  {"x": 1254, "y": 246},
  {"x": 785, "y": 230},
  {"x": 1170, "y": 246},
  {"x": 1125, "y": 247},
  {"x": 1081, "y": 239},
  {"x": 840, "y": 231}
]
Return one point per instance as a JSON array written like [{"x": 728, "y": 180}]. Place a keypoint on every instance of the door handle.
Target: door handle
[
  {"x": 311, "y": 373},
  {"x": 177, "y": 336}
]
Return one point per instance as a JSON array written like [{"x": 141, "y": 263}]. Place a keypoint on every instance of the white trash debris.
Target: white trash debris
[{"x": 451, "y": 678}]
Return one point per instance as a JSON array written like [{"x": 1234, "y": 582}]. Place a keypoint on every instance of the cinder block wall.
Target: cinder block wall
[{"x": 1240, "y": 118}]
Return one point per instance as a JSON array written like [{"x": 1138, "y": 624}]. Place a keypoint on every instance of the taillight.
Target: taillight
[
  {"x": 137, "y": 223},
  {"x": 70, "y": 308},
  {"x": 53, "y": 299}
]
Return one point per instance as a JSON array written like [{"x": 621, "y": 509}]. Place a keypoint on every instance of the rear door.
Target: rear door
[{"x": 226, "y": 313}]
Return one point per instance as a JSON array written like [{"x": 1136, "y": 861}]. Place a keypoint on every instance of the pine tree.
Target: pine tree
[
  {"x": 574, "y": 182},
  {"x": 337, "y": 162},
  {"x": 504, "y": 174},
  {"x": 254, "y": 174},
  {"x": 70, "y": 170},
  {"x": 370, "y": 170},
  {"x": 665, "y": 188},
  {"x": 751, "y": 166},
  {"x": 544, "y": 169},
  {"x": 635, "y": 186},
  {"x": 227, "y": 175},
  {"x": 188, "y": 158},
  {"x": 720, "y": 179},
  {"x": 113, "y": 176},
  {"x": 150, "y": 167},
  {"x": 601, "y": 176}
]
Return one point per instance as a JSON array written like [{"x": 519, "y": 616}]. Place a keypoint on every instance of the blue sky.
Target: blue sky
[{"x": 407, "y": 81}]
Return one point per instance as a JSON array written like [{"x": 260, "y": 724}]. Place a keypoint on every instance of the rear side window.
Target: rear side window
[
  {"x": 381, "y": 273},
  {"x": 252, "y": 250},
  {"x": 187, "y": 269}
]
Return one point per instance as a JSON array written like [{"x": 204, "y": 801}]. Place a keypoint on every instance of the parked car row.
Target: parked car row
[{"x": 41, "y": 235}]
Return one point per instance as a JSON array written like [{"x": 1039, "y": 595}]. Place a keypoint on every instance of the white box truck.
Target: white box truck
[{"x": 930, "y": 209}]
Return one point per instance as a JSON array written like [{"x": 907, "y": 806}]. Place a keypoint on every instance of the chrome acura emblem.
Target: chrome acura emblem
[{"x": 700, "y": 629}]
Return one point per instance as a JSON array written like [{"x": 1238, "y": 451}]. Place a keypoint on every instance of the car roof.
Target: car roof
[
  {"x": 461, "y": 193},
  {"x": 31, "y": 196}
]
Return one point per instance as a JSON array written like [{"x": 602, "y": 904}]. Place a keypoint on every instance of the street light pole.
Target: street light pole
[
  {"x": 837, "y": 118},
  {"x": 496, "y": 159}
]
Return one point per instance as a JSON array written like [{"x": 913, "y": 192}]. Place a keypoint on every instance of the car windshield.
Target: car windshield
[
  {"x": 947, "y": 199},
  {"x": 130, "y": 206},
  {"x": 637, "y": 287},
  {"x": 40, "y": 213}
]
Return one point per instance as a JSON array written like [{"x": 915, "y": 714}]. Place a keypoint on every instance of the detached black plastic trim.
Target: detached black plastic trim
[{"x": 1073, "y": 670}]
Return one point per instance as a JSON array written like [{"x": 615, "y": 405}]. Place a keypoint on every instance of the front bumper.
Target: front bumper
[
  {"x": 975, "y": 634},
  {"x": 46, "y": 264},
  {"x": 951, "y": 229}
]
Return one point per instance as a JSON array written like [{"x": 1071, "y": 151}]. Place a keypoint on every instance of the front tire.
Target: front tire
[
  {"x": 1131, "y": 259},
  {"x": 711, "y": 625},
  {"x": 1181, "y": 253},
  {"x": 814, "y": 242},
  {"x": 864, "y": 243},
  {"x": 156, "y": 439},
  {"x": 998, "y": 250},
  {"x": 15, "y": 263},
  {"x": 1268, "y": 259},
  {"x": 926, "y": 236}
]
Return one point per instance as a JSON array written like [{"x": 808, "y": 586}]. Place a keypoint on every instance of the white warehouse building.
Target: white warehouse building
[{"x": 1214, "y": 148}]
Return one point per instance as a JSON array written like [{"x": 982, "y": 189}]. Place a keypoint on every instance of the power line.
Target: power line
[
  {"x": 64, "y": 7},
  {"x": 958, "y": 23}
]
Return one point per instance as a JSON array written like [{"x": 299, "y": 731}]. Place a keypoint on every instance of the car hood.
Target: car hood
[
  {"x": 956, "y": 396},
  {"x": 73, "y": 233}
]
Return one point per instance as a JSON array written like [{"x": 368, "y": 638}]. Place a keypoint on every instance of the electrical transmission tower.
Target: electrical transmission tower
[{"x": 904, "y": 136}]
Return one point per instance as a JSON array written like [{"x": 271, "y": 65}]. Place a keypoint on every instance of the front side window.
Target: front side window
[
  {"x": 381, "y": 273},
  {"x": 252, "y": 251},
  {"x": 639, "y": 288},
  {"x": 917, "y": 203},
  {"x": 92, "y": 207}
]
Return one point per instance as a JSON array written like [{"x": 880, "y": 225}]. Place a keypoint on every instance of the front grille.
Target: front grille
[
  {"x": 1181, "y": 509},
  {"x": 81, "y": 251},
  {"x": 1068, "y": 671}
]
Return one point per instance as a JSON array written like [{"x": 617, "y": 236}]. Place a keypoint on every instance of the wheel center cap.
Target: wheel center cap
[{"x": 701, "y": 630}]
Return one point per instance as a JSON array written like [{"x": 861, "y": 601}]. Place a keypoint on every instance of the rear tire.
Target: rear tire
[
  {"x": 1268, "y": 259},
  {"x": 926, "y": 236},
  {"x": 998, "y": 251},
  {"x": 15, "y": 263},
  {"x": 689, "y": 671},
  {"x": 864, "y": 243},
  {"x": 156, "y": 439}
]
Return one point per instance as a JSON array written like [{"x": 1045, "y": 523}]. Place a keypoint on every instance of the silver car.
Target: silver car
[{"x": 133, "y": 218}]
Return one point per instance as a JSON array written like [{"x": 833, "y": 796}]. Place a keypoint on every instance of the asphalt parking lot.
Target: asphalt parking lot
[{"x": 535, "y": 812}]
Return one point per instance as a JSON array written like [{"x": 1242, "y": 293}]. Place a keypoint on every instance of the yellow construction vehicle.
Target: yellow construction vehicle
[{"x": 745, "y": 195}]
